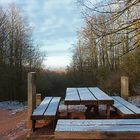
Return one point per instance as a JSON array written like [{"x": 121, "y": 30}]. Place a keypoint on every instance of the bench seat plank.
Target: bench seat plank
[
  {"x": 98, "y": 122},
  {"x": 122, "y": 109},
  {"x": 72, "y": 96},
  {"x": 98, "y": 129},
  {"x": 52, "y": 108},
  {"x": 101, "y": 96},
  {"x": 39, "y": 111},
  {"x": 86, "y": 96},
  {"x": 131, "y": 107},
  {"x": 103, "y": 128}
]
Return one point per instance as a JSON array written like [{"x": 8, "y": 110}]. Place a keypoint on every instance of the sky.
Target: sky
[{"x": 55, "y": 24}]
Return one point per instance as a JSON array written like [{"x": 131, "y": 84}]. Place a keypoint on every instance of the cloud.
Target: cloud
[
  {"x": 4, "y": 2},
  {"x": 54, "y": 22},
  {"x": 57, "y": 61}
]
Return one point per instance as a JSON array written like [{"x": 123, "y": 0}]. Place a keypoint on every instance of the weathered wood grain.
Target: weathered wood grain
[
  {"x": 101, "y": 96},
  {"x": 78, "y": 122},
  {"x": 98, "y": 135},
  {"x": 39, "y": 111},
  {"x": 86, "y": 97},
  {"x": 72, "y": 97},
  {"x": 98, "y": 129},
  {"x": 52, "y": 108},
  {"x": 123, "y": 110},
  {"x": 128, "y": 105}
]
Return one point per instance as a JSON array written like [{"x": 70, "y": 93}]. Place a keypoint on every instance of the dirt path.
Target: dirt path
[{"x": 13, "y": 124}]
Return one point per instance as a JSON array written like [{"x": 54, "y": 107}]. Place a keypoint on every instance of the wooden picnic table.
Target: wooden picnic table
[{"x": 89, "y": 96}]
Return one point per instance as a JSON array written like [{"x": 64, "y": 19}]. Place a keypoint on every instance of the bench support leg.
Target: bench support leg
[
  {"x": 33, "y": 125},
  {"x": 96, "y": 109},
  {"x": 67, "y": 110},
  {"x": 108, "y": 111}
]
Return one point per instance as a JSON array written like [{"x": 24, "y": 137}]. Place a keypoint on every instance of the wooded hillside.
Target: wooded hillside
[
  {"x": 18, "y": 55},
  {"x": 108, "y": 45}
]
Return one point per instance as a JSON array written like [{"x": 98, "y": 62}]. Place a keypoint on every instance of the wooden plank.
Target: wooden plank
[
  {"x": 130, "y": 106},
  {"x": 86, "y": 97},
  {"x": 52, "y": 108},
  {"x": 121, "y": 108},
  {"x": 97, "y": 135},
  {"x": 72, "y": 97},
  {"x": 98, "y": 122},
  {"x": 102, "y": 128},
  {"x": 101, "y": 96},
  {"x": 39, "y": 111},
  {"x": 98, "y": 129}
]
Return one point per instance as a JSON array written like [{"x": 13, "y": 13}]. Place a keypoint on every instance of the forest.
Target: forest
[
  {"x": 18, "y": 54},
  {"x": 108, "y": 46}
]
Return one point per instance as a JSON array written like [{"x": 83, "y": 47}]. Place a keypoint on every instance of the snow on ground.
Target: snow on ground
[
  {"x": 76, "y": 108},
  {"x": 72, "y": 108},
  {"x": 11, "y": 105},
  {"x": 13, "y": 120},
  {"x": 135, "y": 100},
  {"x": 14, "y": 106},
  {"x": 14, "y": 116}
]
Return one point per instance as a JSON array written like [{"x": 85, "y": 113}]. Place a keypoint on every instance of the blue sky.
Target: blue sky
[{"x": 55, "y": 24}]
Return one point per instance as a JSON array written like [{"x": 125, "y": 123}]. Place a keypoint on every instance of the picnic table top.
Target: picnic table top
[{"x": 87, "y": 96}]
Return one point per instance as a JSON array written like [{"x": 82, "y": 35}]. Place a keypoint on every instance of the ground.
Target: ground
[
  {"x": 13, "y": 121},
  {"x": 13, "y": 124}
]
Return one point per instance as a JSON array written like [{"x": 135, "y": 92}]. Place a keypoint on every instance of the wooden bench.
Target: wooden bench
[
  {"x": 98, "y": 129},
  {"x": 47, "y": 109},
  {"x": 125, "y": 109}
]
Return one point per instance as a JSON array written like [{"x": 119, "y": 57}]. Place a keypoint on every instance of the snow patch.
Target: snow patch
[
  {"x": 72, "y": 108},
  {"x": 135, "y": 100},
  {"x": 14, "y": 106}
]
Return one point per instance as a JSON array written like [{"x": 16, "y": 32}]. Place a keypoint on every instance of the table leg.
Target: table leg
[
  {"x": 96, "y": 109},
  {"x": 67, "y": 111},
  {"x": 108, "y": 111},
  {"x": 33, "y": 125}
]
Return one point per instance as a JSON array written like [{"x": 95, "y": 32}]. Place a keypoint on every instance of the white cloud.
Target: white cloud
[
  {"x": 54, "y": 22},
  {"x": 57, "y": 61},
  {"x": 3, "y": 2}
]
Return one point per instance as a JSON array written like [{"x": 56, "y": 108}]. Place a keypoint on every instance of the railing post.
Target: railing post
[
  {"x": 31, "y": 97},
  {"x": 124, "y": 87},
  {"x": 38, "y": 99}
]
